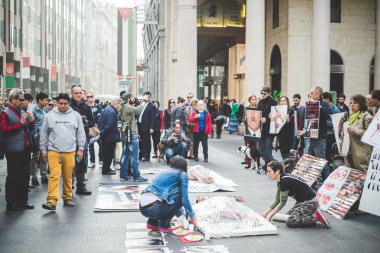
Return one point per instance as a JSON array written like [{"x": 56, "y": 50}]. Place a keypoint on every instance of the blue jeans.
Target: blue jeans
[
  {"x": 265, "y": 146},
  {"x": 160, "y": 214},
  {"x": 318, "y": 148},
  {"x": 180, "y": 150},
  {"x": 130, "y": 152}
]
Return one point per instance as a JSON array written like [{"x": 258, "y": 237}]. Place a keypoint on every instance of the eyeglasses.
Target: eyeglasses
[
  {"x": 90, "y": 96},
  {"x": 172, "y": 102},
  {"x": 21, "y": 99},
  {"x": 50, "y": 104}
]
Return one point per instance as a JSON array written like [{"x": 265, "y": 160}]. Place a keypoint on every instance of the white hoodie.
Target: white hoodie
[{"x": 62, "y": 132}]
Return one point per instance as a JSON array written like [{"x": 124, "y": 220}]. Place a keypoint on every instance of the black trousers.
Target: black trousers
[
  {"x": 200, "y": 137},
  {"x": 146, "y": 145},
  {"x": 17, "y": 182},
  {"x": 156, "y": 139},
  {"x": 81, "y": 169},
  {"x": 219, "y": 126},
  {"x": 329, "y": 147},
  {"x": 108, "y": 155}
]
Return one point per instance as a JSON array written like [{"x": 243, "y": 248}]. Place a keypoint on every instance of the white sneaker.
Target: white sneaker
[
  {"x": 117, "y": 167},
  {"x": 100, "y": 164}
]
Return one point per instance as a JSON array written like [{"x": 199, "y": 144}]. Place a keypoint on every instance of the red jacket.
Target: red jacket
[{"x": 208, "y": 123}]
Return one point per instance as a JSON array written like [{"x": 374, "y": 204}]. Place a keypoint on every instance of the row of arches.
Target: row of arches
[{"x": 336, "y": 71}]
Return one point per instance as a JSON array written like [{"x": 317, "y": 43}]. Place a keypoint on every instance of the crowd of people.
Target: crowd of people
[{"x": 56, "y": 137}]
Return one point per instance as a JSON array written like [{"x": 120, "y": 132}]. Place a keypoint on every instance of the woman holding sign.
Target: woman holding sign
[{"x": 358, "y": 122}]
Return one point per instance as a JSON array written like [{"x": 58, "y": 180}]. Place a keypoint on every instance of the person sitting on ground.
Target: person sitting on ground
[
  {"x": 166, "y": 197},
  {"x": 305, "y": 212},
  {"x": 175, "y": 141}
]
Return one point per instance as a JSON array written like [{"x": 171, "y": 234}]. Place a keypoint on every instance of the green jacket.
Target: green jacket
[{"x": 127, "y": 115}]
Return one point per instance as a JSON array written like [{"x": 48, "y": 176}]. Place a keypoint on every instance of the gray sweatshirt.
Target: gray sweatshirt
[{"x": 62, "y": 132}]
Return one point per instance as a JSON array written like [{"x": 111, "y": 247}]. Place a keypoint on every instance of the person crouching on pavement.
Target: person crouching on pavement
[
  {"x": 305, "y": 212},
  {"x": 61, "y": 133},
  {"x": 175, "y": 141},
  {"x": 167, "y": 196}
]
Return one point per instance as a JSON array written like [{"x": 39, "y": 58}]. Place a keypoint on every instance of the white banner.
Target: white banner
[
  {"x": 371, "y": 191},
  {"x": 278, "y": 116}
]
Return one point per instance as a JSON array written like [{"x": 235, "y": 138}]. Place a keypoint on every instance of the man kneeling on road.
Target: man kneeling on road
[
  {"x": 175, "y": 141},
  {"x": 305, "y": 212},
  {"x": 62, "y": 131}
]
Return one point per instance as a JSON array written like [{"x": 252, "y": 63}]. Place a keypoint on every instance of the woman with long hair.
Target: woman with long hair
[
  {"x": 167, "y": 114},
  {"x": 359, "y": 120},
  {"x": 285, "y": 136}
]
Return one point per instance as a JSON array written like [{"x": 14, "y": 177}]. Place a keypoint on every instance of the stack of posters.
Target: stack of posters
[
  {"x": 312, "y": 119},
  {"x": 222, "y": 216},
  {"x": 149, "y": 250},
  {"x": 220, "y": 184},
  {"x": 278, "y": 117},
  {"x": 308, "y": 168},
  {"x": 371, "y": 191},
  {"x": 341, "y": 133},
  {"x": 115, "y": 197},
  {"x": 144, "y": 241},
  {"x": 340, "y": 191},
  {"x": 252, "y": 128},
  {"x": 372, "y": 134},
  {"x": 207, "y": 249}
]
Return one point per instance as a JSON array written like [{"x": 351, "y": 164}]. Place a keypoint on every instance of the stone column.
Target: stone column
[
  {"x": 186, "y": 49},
  {"x": 377, "y": 48},
  {"x": 320, "y": 45},
  {"x": 254, "y": 47}
]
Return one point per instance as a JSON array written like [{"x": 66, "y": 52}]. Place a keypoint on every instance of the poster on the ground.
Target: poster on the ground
[
  {"x": 341, "y": 136},
  {"x": 278, "y": 116},
  {"x": 145, "y": 243},
  {"x": 223, "y": 216},
  {"x": 149, "y": 250},
  {"x": 207, "y": 249},
  {"x": 372, "y": 135},
  {"x": 312, "y": 112},
  {"x": 348, "y": 194},
  {"x": 115, "y": 197},
  {"x": 253, "y": 124},
  {"x": 308, "y": 168},
  {"x": 369, "y": 201},
  {"x": 219, "y": 183},
  {"x": 331, "y": 187}
]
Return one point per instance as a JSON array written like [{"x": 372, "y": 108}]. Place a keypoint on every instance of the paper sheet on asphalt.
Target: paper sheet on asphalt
[{"x": 220, "y": 184}]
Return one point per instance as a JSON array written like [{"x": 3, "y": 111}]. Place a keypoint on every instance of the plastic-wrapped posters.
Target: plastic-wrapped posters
[
  {"x": 372, "y": 135},
  {"x": 312, "y": 119},
  {"x": 278, "y": 116},
  {"x": 222, "y": 216},
  {"x": 145, "y": 242},
  {"x": 331, "y": 187},
  {"x": 308, "y": 168},
  {"x": 369, "y": 201},
  {"x": 253, "y": 123},
  {"x": 145, "y": 250},
  {"x": 220, "y": 184},
  {"x": 338, "y": 119},
  {"x": 348, "y": 194},
  {"x": 207, "y": 249},
  {"x": 118, "y": 197}
]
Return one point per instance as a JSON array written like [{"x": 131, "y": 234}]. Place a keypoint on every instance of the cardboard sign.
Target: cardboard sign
[
  {"x": 308, "y": 168},
  {"x": 371, "y": 191},
  {"x": 312, "y": 119},
  {"x": 338, "y": 120},
  {"x": 347, "y": 195},
  {"x": 331, "y": 187},
  {"x": 277, "y": 118},
  {"x": 372, "y": 135}
]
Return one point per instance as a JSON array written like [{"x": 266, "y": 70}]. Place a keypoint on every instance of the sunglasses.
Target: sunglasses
[
  {"x": 21, "y": 99},
  {"x": 90, "y": 96},
  {"x": 263, "y": 93},
  {"x": 172, "y": 102},
  {"x": 50, "y": 104}
]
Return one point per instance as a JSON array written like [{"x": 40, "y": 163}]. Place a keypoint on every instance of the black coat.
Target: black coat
[
  {"x": 85, "y": 112},
  {"x": 108, "y": 122},
  {"x": 147, "y": 118},
  {"x": 265, "y": 107}
]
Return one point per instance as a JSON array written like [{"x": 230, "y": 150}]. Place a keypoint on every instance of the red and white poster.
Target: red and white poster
[
  {"x": 25, "y": 71},
  {"x": 312, "y": 119},
  {"x": 331, "y": 187}
]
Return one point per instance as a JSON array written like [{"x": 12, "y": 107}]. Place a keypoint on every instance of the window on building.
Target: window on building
[
  {"x": 1, "y": 2},
  {"x": 276, "y": 13},
  {"x": 50, "y": 51},
  {"x": 335, "y": 11}
]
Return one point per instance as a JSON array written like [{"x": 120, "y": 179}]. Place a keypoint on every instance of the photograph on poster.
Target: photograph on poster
[
  {"x": 338, "y": 119},
  {"x": 308, "y": 168},
  {"x": 118, "y": 197},
  {"x": 253, "y": 125},
  {"x": 371, "y": 191},
  {"x": 348, "y": 194},
  {"x": 372, "y": 135},
  {"x": 278, "y": 117},
  {"x": 202, "y": 179},
  {"x": 222, "y": 216},
  {"x": 312, "y": 119}
]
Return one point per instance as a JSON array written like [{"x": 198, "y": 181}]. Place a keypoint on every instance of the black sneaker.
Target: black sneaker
[
  {"x": 196, "y": 159},
  {"x": 35, "y": 181},
  {"x": 49, "y": 206},
  {"x": 83, "y": 191},
  {"x": 44, "y": 180}
]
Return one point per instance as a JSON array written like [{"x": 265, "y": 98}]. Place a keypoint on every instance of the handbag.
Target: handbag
[
  {"x": 93, "y": 131},
  {"x": 34, "y": 140}
]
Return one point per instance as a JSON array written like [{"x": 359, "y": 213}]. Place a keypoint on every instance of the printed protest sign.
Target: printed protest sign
[
  {"x": 347, "y": 195},
  {"x": 372, "y": 135},
  {"x": 338, "y": 120},
  {"x": 331, "y": 187},
  {"x": 308, "y": 168},
  {"x": 278, "y": 117},
  {"x": 312, "y": 119},
  {"x": 253, "y": 124},
  {"x": 371, "y": 190}
]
